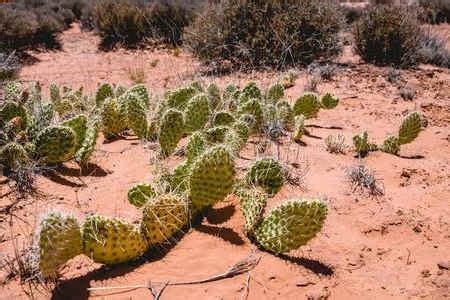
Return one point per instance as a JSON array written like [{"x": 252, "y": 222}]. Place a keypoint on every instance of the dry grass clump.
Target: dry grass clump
[
  {"x": 253, "y": 34},
  {"x": 335, "y": 144},
  {"x": 363, "y": 179}
]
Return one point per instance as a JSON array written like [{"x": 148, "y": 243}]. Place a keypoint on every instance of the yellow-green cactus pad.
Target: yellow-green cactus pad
[
  {"x": 179, "y": 98},
  {"x": 214, "y": 98},
  {"x": 59, "y": 241},
  {"x": 113, "y": 119},
  {"x": 268, "y": 174},
  {"x": 410, "y": 128},
  {"x": 391, "y": 145},
  {"x": 112, "y": 241},
  {"x": 286, "y": 115},
  {"x": 291, "y": 225},
  {"x": 308, "y": 105},
  {"x": 79, "y": 126},
  {"x": 104, "y": 91},
  {"x": 56, "y": 144},
  {"x": 252, "y": 202},
  {"x": 196, "y": 113},
  {"x": 329, "y": 101},
  {"x": 223, "y": 118},
  {"x": 195, "y": 146},
  {"x": 139, "y": 194},
  {"x": 171, "y": 130},
  {"x": 10, "y": 110},
  {"x": 212, "y": 178},
  {"x": 162, "y": 217},
  {"x": 13, "y": 155},
  {"x": 275, "y": 93},
  {"x": 88, "y": 145}
]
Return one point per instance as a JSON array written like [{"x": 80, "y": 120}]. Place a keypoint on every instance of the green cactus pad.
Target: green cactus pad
[
  {"x": 10, "y": 110},
  {"x": 113, "y": 119},
  {"x": 132, "y": 106},
  {"x": 251, "y": 91},
  {"x": 410, "y": 128},
  {"x": 307, "y": 105},
  {"x": 216, "y": 134},
  {"x": 212, "y": 178},
  {"x": 268, "y": 174},
  {"x": 88, "y": 145},
  {"x": 13, "y": 155},
  {"x": 12, "y": 91},
  {"x": 291, "y": 225},
  {"x": 230, "y": 92},
  {"x": 214, "y": 98},
  {"x": 59, "y": 241},
  {"x": 142, "y": 94},
  {"x": 195, "y": 146},
  {"x": 79, "y": 126},
  {"x": 196, "y": 113},
  {"x": 198, "y": 85},
  {"x": 139, "y": 194},
  {"x": 56, "y": 144},
  {"x": 362, "y": 145},
  {"x": 286, "y": 115},
  {"x": 275, "y": 93},
  {"x": 179, "y": 98},
  {"x": 223, "y": 118},
  {"x": 391, "y": 145},
  {"x": 104, "y": 91},
  {"x": 299, "y": 128},
  {"x": 329, "y": 101},
  {"x": 163, "y": 216},
  {"x": 178, "y": 180},
  {"x": 241, "y": 130},
  {"x": 55, "y": 95},
  {"x": 171, "y": 129},
  {"x": 112, "y": 241},
  {"x": 252, "y": 202},
  {"x": 253, "y": 107}
]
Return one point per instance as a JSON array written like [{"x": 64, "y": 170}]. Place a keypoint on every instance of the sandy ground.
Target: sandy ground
[{"x": 387, "y": 247}]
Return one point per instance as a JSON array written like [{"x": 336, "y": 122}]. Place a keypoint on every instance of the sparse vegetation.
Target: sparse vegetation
[
  {"x": 335, "y": 144},
  {"x": 363, "y": 179}
]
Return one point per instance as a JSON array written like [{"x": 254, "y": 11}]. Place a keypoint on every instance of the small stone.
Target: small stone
[
  {"x": 3, "y": 179},
  {"x": 61, "y": 198},
  {"x": 444, "y": 265},
  {"x": 425, "y": 273}
]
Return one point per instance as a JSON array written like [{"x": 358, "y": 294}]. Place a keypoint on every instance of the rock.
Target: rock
[
  {"x": 318, "y": 294},
  {"x": 425, "y": 273},
  {"x": 444, "y": 265},
  {"x": 3, "y": 179}
]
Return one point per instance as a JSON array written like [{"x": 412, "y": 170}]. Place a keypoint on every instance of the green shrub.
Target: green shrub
[
  {"x": 9, "y": 66},
  {"x": 274, "y": 33},
  {"x": 388, "y": 35}
]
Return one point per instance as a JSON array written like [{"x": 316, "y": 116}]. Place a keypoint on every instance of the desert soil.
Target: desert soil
[{"x": 395, "y": 246}]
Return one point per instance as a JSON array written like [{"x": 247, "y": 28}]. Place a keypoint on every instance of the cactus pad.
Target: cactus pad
[
  {"x": 195, "y": 146},
  {"x": 163, "y": 216},
  {"x": 307, "y": 105},
  {"x": 275, "y": 93},
  {"x": 142, "y": 94},
  {"x": 171, "y": 129},
  {"x": 299, "y": 128},
  {"x": 134, "y": 110},
  {"x": 196, "y": 113},
  {"x": 179, "y": 98},
  {"x": 79, "y": 126},
  {"x": 252, "y": 107},
  {"x": 13, "y": 155},
  {"x": 59, "y": 241},
  {"x": 329, "y": 101},
  {"x": 112, "y": 241},
  {"x": 410, "y": 128},
  {"x": 286, "y": 115},
  {"x": 113, "y": 119},
  {"x": 291, "y": 225},
  {"x": 214, "y": 98},
  {"x": 11, "y": 110},
  {"x": 56, "y": 144},
  {"x": 139, "y": 194},
  {"x": 88, "y": 145},
  {"x": 268, "y": 174},
  {"x": 252, "y": 203},
  {"x": 104, "y": 91},
  {"x": 223, "y": 118},
  {"x": 391, "y": 145},
  {"x": 212, "y": 178}
]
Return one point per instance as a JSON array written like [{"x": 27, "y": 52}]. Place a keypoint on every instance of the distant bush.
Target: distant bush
[
  {"x": 274, "y": 33},
  {"x": 132, "y": 22},
  {"x": 388, "y": 35},
  {"x": 435, "y": 11},
  {"x": 433, "y": 49}
]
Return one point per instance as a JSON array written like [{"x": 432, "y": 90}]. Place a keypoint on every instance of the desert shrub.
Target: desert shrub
[
  {"x": 352, "y": 13},
  {"x": 387, "y": 35},
  {"x": 277, "y": 33},
  {"x": 433, "y": 49},
  {"x": 435, "y": 11},
  {"x": 132, "y": 22},
  {"x": 9, "y": 66}
]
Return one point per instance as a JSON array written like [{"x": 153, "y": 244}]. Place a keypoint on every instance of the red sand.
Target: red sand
[{"x": 370, "y": 248}]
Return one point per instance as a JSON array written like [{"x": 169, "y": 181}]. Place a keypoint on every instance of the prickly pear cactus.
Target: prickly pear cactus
[
  {"x": 268, "y": 174},
  {"x": 216, "y": 134},
  {"x": 223, "y": 118},
  {"x": 286, "y": 115},
  {"x": 113, "y": 119},
  {"x": 291, "y": 225},
  {"x": 171, "y": 129},
  {"x": 119, "y": 91},
  {"x": 163, "y": 216},
  {"x": 252, "y": 202},
  {"x": 195, "y": 146},
  {"x": 329, "y": 101},
  {"x": 59, "y": 239},
  {"x": 196, "y": 113},
  {"x": 179, "y": 98},
  {"x": 56, "y": 144},
  {"x": 79, "y": 126},
  {"x": 253, "y": 107},
  {"x": 230, "y": 92},
  {"x": 214, "y": 98},
  {"x": 112, "y": 241},
  {"x": 212, "y": 178},
  {"x": 178, "y": 180},
  {"x": 132, "y": 106},
  {"x": 275, "y": 93},
  {"x": 11, "y": 110},
  {"x": 43, "y": 117},
  {"x": 55, "y": 95},
  {"x": 142, "y": 94},
  {"x": 88, "y": 145},
  {"x": 12, "y": 91},
  {"x": 241, "y": 130},
  {"x": 362, "y": 145},
  {"x": 410, "y": 128},
  {"x": 139, "y": 194},
  {"x": 391, "y": 145},
  {"x": 307, "y": 105},
  {"x": 299, "y": 128},
  {"x": 13, "y": 155},
  {"x": 251, "y": 91},
  {"x": 198, "y": 85},
  {"x": 104, "y": 91}
]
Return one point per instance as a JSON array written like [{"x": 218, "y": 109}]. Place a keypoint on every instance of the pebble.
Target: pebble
[{"x": 444, "y": 265}]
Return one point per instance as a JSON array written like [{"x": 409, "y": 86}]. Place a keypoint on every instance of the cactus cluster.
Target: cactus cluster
[
  {"x": 309, "y": 104},
  {"x": 409, "y": 130}
]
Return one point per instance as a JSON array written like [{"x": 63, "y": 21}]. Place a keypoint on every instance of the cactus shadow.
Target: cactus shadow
[
  {"x": 57, "y": 178},
  {"x": 220, "y": 215},
  {"x": 309, "y": 134},
  {"x": 90, "y": 169},
  {"x": 412, "y": 156},
  {"x": 311, "y": 264},
  {"x": 324, "y": 127},
  {"x": 226, "y": 234}
]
